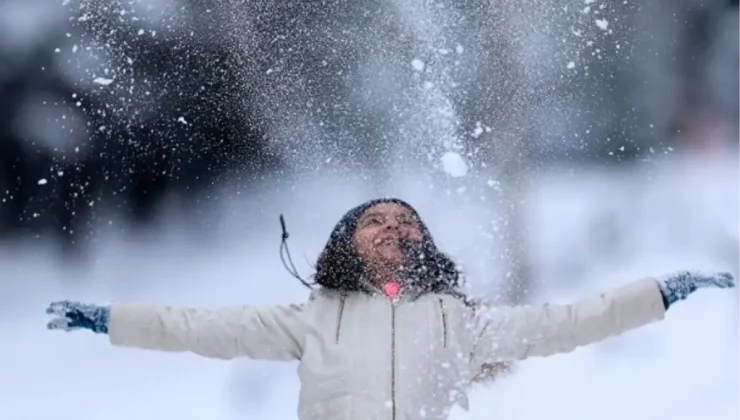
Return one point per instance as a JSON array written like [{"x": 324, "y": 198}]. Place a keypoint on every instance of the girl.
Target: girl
[{"x": 387, "y": 335}]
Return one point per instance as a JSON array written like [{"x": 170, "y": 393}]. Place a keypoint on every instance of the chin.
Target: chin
[{"x": 395, "y": 261}]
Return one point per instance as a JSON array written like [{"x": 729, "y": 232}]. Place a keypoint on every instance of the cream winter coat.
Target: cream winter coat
[{"x": 363, "y": 357}]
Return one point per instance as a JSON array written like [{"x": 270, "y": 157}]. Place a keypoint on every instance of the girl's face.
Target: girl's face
[{"x": 379, "y": 232}]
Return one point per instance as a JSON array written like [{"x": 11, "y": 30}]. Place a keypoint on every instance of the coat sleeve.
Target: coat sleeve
[
  {"x": 267, "y": 333},
  {"x": 515, "y": 333}
]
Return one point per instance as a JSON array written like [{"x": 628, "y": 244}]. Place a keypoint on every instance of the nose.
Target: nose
[{"x": 392, "y": 224}]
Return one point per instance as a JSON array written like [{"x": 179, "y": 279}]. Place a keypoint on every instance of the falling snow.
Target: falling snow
[
  {"x": 454, "y": 165},
  {"x": 102, "y": 81}
]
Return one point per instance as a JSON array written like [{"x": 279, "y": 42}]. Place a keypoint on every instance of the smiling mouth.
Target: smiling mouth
[{"x": 388, "y": 241}]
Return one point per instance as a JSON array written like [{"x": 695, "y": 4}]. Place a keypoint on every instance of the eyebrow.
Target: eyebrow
[
  {"x": 403, "y": 215},
  {"x": 369, "y": 215}
]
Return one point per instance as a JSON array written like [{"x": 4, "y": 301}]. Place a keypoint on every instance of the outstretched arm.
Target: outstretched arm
[
  {"x": 513, "y": 333},
  {"x": 267, "y": 332}
]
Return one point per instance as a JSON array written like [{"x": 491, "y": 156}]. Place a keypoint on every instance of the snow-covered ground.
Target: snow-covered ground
[{"x": 657, "y": 218}]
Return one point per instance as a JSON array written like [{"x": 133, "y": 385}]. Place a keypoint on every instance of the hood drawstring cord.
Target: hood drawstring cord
[{"x": 285, "y": 256}]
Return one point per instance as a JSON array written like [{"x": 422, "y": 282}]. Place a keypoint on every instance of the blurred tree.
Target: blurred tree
[{"x": 164, "y": 117}]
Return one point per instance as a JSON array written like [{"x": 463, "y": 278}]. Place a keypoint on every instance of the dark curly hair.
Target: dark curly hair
[{"x": 340, "y": 268}]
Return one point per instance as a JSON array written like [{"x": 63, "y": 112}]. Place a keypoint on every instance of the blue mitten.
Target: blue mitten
[
  {"x": 74, "y": 315},
  {"x": 678, "y": 286}
]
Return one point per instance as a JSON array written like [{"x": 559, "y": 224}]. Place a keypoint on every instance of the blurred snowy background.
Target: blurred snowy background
[{"x": 556, "y": 149}]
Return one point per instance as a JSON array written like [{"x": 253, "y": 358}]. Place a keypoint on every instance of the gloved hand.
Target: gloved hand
[
  {"x": 677, "y": 286},
  {"x": 75, "y": 315}
]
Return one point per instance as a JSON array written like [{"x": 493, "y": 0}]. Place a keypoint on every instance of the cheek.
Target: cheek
[
  {"x": 415, "y": 233},
  {"x": 362, "y": 242}
]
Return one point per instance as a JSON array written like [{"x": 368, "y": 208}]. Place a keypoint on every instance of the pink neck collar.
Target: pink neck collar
[{"x": 391, "y": 289}]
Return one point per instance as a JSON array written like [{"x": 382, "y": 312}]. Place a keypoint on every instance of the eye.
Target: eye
[{"x": 373, "y": 221}]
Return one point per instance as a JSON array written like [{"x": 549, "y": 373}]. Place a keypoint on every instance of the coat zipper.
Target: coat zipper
[
  {"x": 393, "y": 361},
  {"x": 340, "y": 312},
  {"x": 443, "y": 311}
]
